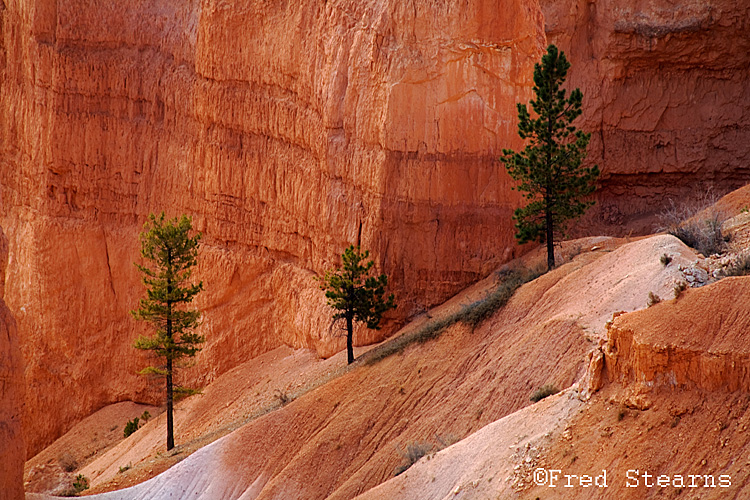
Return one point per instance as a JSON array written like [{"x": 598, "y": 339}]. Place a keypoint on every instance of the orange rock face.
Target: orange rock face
[
  {"x": 11, "y": 396},
  {"x": 665, "y": 96},
  {"x": 287, "y": 132},
  {"x": 677, "y": 344}
]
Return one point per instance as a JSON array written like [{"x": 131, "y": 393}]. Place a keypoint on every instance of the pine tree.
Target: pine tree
[
  {"x": 356, "y": 296},
  {"x": 549, "y": 168},
  {"x": 171, "y": 254}
]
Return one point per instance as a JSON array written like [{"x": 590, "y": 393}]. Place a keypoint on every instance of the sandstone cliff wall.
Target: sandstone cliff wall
[
  {"x": 665, "y": 97},
  {"x": 11, "y": 396},
  {"x": 287, "y": 130}
]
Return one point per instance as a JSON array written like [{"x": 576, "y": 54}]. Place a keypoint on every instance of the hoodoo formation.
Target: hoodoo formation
[{"x": 289, "y": 130}]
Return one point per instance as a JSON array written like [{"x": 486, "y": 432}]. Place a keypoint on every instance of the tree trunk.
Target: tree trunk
[
  {"x": 549, "y": 189},
  {"x": 349, "y": 339},
  {"x": 170, "y": 404},
  {"x": 550, "y": 242},
  {"x": 170, "y": 392},
  {"x": 349, "y": 325}
]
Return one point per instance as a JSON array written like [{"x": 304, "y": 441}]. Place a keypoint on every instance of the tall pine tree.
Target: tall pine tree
[
  {"x": 171, "y": 253},
  {"x": 355, "y": 295},
  {"x": 550, "y": 167}
]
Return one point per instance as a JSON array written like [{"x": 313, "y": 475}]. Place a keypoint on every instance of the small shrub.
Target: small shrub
[
  {"x": 704, "y": 236},
  {"x": 433, "y": 329},
  {"x": 444, "y": 441},
  {"x": 282, "y": 397},
  {"x": 81, "y": 483},
  {"x": 430, "y": 330},
  {"x": 740, "y": 267},
  {"x": 653, "y": 299},
  {"x": 543, "y": 392},
  {"x": 67, "y": 462},
  {"x": 696, "y": 223},
  {"x": 679, "y": 288},
  {"x": 125, "y": 468},
  {"x": 665, "y": 259},
  {"x": 411, "y": 455},
  {"x": 131, "y": 427},
  {"x": 417, "y": 449},
  {"x": 477, "y": 312},
  {"x": 145, "y": 416}
]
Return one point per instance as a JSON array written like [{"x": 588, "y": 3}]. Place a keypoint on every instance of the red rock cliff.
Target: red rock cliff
[
  {"x": 665, "y": 95},
  {"x": 287, "y": 130},
  {"x": 11, "y": 396}
]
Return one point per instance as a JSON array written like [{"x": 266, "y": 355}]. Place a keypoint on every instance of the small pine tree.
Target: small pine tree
[
  {"x": 171, "y": 253},
  {"x": 356, "y": 296},
  {"x": 131, "y": 426},
  {"x": 549, "y": 168}
]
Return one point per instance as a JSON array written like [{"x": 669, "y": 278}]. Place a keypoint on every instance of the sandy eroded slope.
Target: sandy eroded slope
[{"x": 343, "y": 438}]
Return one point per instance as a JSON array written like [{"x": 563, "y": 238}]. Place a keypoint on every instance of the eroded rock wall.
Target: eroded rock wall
[
  {"x": 12, "y": 450},
  {"x": 665, "y": 97},
  {"x": 698, "y": 341},
  {"x": 287, "y": 130}
]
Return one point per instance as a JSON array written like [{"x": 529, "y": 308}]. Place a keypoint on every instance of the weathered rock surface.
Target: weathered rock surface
[
  {"x": 494, "y": 462},
  {"x": 665, "y": 96},
  {"x": 698, "y": 341},
  {"x": 287, "y": 131},
  {"x": 673, "y": 403},
  {"x": 11, "y": 396}
]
